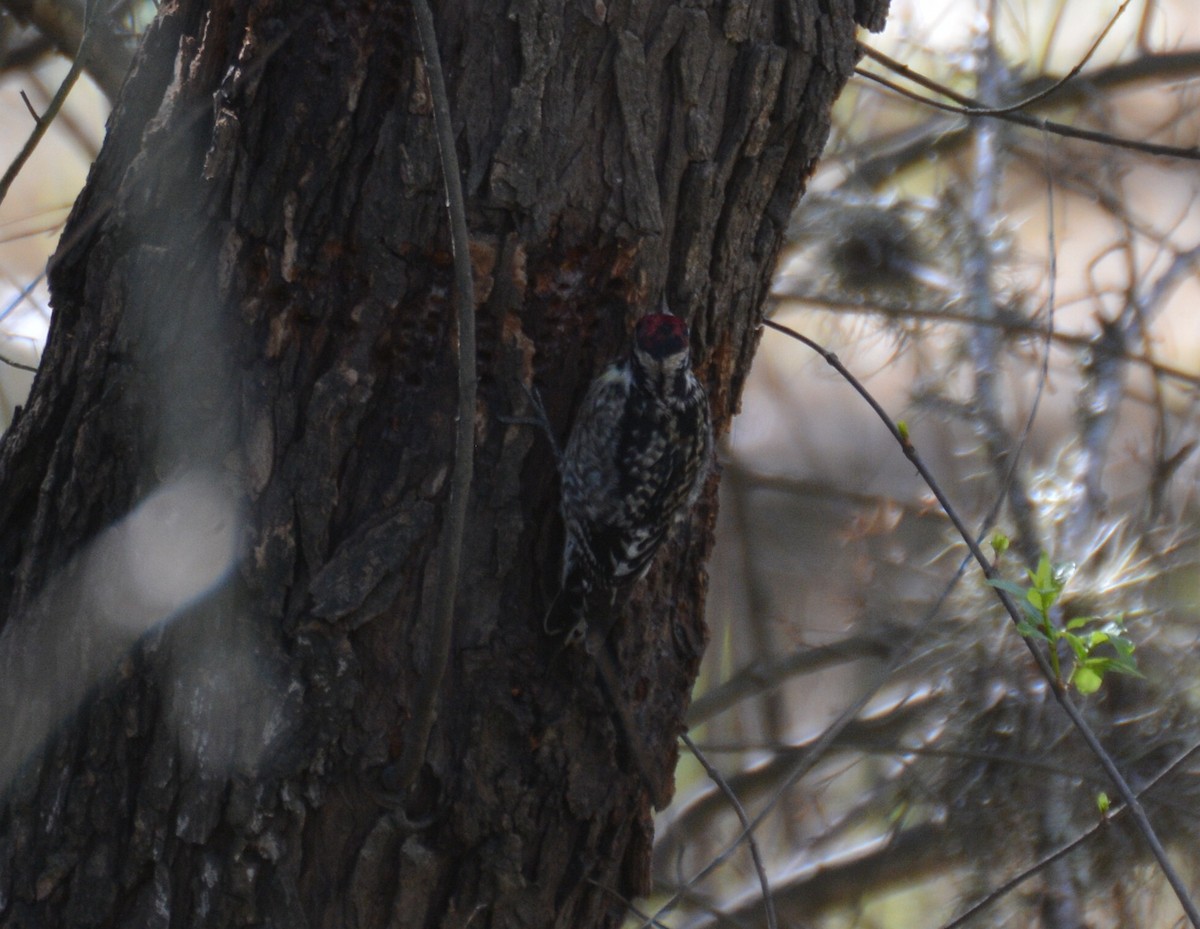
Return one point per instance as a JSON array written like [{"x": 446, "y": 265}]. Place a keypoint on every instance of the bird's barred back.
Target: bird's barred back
[{"x": 635, "y": 460}]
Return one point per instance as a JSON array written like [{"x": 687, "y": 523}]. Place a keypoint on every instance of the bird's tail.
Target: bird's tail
[
  {"x": 566, "y": 617},
  {"x": 580, "y": 609}
]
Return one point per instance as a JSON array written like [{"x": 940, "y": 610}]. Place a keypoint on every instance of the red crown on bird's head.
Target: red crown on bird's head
[{"x": 661, "y": 335}]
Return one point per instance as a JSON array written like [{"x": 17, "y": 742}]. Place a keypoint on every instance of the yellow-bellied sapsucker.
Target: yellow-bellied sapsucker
[{"x": 634, "y": 462}]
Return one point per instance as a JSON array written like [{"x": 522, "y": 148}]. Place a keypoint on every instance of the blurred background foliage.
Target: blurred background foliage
[{"x": 1025, "y": 302}]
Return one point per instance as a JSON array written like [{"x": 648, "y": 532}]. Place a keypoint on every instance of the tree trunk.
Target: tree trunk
[{"x": 222, "y": 505}]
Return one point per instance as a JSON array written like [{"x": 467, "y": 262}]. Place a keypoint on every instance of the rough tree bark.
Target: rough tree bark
[{"x": 221, "y": 506}]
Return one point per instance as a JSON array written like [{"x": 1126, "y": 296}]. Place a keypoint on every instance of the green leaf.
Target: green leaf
[
  {"x": 1046, "y": 584},
  {"x": 1086, "y": 680},
  {"x": 1078, "y": 645},
  {"x": 1123, "y": 644},
  {"x": 1103, "y": 803},
  {"x": 1125, "y": 666},
  {"x": 1008, "y": 587},
  {"x": 1096, "y": 639}
]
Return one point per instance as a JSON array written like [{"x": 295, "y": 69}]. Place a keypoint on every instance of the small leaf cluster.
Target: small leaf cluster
[{"x": 1083, "y": 635}]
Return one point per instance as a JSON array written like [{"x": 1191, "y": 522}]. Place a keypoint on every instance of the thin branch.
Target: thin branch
[
  {"x": 825, "y": 491},
  {"x": 68, "y": 122},
  {"x": 1006, "y": 321},
  {"x": 629, "y": 905},
  {"x": 815, "y": 750},
  {"x": 42, "y": 123},
  {"x": 1074, "y": 72},
  {"x": 940, "y": 134},
  {"x": 767, "y": 675},
  {"x": 1182, "y": 263},
  {"x": 856, "y": 737},
  {"x": 63, "y": 23},
  {"x": 450, "y": 558},
  {"x": 974, "y": 108},
  {"x": 807, "y": 760},
  {"x": 1081, "y": 726},
  {"x": 18, "y": 365},
  {"x": 969, "y": 108},
  {"x": 1063, "y": 850},
  {"x": 901, "y": 860},
  {"x": 21, "y": 296},
  {"x": 29, "y": 106},
  {"x": 716, "y": 778}
]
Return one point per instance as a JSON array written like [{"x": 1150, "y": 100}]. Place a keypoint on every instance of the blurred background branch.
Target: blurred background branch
[
  {"x": 1024, "y": 303},
  {"x": 38, "y": 26}
]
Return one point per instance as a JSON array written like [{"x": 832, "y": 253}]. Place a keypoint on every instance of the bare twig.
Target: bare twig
[
  {"x": 1183, "y": 263},
  {"x": 765, "y": 675},
  {"x": 974, "y": 108},
  {"x": 715, "y": 776},
  {"x": 1009, "y": 322},
  {"x": 68, "y": 122},
  {"x": 18, "y": 365},
  {"x": 1063, "y": 850},
  {"x": 805, "y": 763},
  {"x": 1122, "y": 787},
  {"x": 63, "y": 23},
  {"x": 899, "y": 860},
  {"x": 21, "y": 297},
  {"x": 940, "y": 134},
  {"x": 969, "y": 108},
  {"x": 814, "y": 750},
  {"x": 825, "y": 490},
  {"x": 464, "y": 445},
  {"x": 42, "y": 123},
  {"x": 629, "y": 905},
  {"x": 29, "y": 106}
]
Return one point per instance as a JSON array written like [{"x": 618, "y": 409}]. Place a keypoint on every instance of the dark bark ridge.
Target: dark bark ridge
[{"x": 252, "y": 305}]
